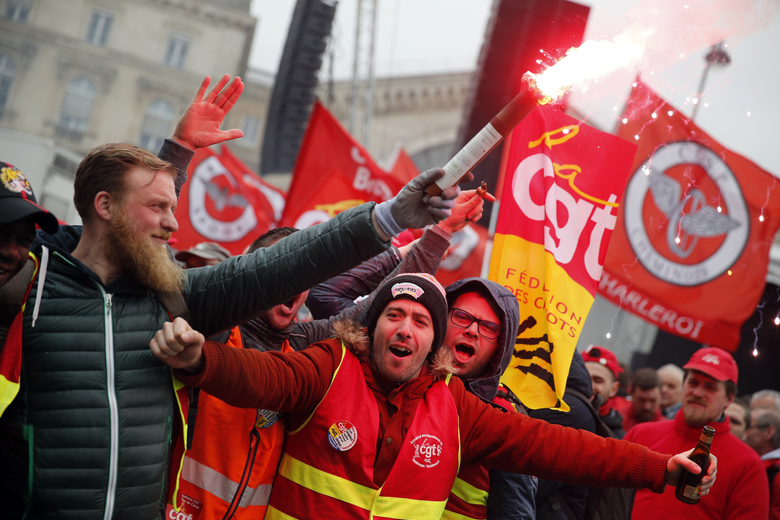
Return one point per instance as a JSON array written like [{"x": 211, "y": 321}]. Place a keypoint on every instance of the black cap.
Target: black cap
[
  {"x": 17, "y": 200},
  {"x": 420, "y": 287}
]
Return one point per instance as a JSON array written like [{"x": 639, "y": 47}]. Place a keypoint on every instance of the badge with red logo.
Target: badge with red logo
[
  {"x": 342, "y": 435},
  {"x": 189, "y": 510},
  {"x": 427, "y": 450}
]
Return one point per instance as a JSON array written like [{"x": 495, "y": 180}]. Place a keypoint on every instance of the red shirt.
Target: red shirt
[{"x": 741, "y": 490}]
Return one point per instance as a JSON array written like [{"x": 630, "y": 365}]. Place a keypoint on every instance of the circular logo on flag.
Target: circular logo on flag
[
  {"x": 342, "y": 435},
  {"x": 218, "y": 210},
  {"x": 685, "y": 216}
]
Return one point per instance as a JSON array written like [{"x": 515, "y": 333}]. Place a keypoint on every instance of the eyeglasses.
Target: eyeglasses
[{"x": 463, "y": 319}]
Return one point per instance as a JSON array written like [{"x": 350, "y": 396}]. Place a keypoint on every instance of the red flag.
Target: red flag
[
  {"x": 403, "y": 168},
  {"x": 691, "y": 248},
  {"x": 559, "y": 201},
  {"x": 272, "y": 199},
  {"x": 333, "y": 173},
  {"x": 218, "y": 205}
]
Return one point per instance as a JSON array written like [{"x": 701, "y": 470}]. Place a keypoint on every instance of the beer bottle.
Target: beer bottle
[{"x": 688, "y": 487}]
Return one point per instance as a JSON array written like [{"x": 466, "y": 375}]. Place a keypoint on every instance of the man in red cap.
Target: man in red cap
[
  {"x": 604, "y": 370},
  {"x": 19, "y": 213},
  {"x": 710, "y": 385}
]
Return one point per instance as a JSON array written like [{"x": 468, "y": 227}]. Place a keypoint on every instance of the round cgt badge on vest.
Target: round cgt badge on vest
[{"x": 342, "y": 435}]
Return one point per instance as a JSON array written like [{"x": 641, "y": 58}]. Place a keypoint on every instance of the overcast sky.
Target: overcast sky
[{"x": 740, "y": 106}]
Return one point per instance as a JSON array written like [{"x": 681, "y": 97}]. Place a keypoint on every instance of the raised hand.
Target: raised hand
[
  {"x": 199, "y": 126},
  {"x": 468, "y": 208}
]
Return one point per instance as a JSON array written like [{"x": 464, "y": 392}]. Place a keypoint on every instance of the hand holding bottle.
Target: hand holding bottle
[{"x": 680, "y": 462}]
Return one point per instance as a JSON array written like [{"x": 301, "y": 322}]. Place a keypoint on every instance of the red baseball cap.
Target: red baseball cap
[
  {"x": 602, "y": 356},
  {"x": 715, "y": 362}
]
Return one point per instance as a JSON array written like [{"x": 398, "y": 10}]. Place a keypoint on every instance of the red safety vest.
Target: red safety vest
[
  {"x": 235, "y": 452},
  {"x": 469, "y": 496},
  {"x": 328, "y": 464}
]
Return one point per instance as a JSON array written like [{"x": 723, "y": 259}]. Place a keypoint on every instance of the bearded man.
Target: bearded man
[{"x": 87, "y": 429}]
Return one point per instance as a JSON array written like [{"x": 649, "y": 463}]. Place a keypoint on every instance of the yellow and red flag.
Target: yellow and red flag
[
  {"x": 562, "y": 184},
  {"x": 691, "y": 247}
]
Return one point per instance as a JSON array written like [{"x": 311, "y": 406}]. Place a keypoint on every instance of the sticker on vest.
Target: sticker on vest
[
  {"x": 266, "y": 418},
  {"x": 189, "y": 509},
  {"x": 427, "y": 450},
  {"x": 342, "y": 435}
]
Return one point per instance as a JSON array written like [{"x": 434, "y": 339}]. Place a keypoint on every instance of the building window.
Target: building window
[
  {"x": 158, "y": 120},
  {"x": 18, "y": 10},
  {"x": 76, "y": 107},
  {"x": 99, "y": 27},
  {"x": 250, "y": 125},
  {"x": 7, "y": 72},
  {"x": 176, "y": 51}
]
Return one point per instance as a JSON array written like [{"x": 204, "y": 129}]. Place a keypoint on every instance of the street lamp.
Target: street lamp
[{"x": 717, "y": 56}]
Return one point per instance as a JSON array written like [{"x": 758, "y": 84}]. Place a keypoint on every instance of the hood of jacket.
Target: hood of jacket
[{"x": 486, "y": 386}]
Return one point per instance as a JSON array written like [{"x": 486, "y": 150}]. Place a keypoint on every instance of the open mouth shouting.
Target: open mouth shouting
[
  {"x": 290, "y": 304},
  {"x": 464, "y": 352},
  {"x": 400, "y": 351}
]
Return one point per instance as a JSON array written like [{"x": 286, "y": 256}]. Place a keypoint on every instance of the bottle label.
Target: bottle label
[
  {"x": 691, "y": 492},
  {"x": 469, "y": 155}
]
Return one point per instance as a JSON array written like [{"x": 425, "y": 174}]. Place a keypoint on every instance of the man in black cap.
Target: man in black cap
[
  {"x": 19, "y": 213},
  {"x": 377, "y": 427}
]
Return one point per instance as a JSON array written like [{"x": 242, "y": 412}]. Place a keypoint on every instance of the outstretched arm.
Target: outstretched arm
[{"x": 199, "y": 126}]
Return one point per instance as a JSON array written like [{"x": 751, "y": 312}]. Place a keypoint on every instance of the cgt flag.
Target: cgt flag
[
  {"x": 333, "y": 173},
  {"x": 558, "y": 208},
  {"x": 691, "y": 247},
  {"x": 224, "y": 202}
]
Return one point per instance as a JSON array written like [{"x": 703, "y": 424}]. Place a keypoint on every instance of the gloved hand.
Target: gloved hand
[{"x": 413, "y": 208}]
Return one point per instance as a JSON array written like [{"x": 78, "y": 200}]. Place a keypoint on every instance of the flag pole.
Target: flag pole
[{"x": 499, "y": 190}]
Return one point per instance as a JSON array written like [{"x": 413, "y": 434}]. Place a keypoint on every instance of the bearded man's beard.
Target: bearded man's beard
[{"x": 148, "y": 263}]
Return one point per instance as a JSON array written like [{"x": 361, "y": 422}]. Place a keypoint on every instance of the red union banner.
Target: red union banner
[
  {"x": 691, "y": 248},
  {"x": 558, "y": 207},
  {"x": 223, "y": 202},
  {"x": 333, "y": 173}
]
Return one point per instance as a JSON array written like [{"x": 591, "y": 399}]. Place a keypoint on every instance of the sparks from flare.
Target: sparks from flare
[{"x": 588, "y": 62}]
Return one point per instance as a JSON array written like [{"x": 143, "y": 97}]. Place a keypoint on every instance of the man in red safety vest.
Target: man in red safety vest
[{"x": 377, "y": 427}]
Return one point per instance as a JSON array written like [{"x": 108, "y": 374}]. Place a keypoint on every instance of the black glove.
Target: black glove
[{"x": 413, "y": 208}]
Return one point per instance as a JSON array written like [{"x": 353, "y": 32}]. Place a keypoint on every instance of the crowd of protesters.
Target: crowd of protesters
[{"x": 141, "y": 382}]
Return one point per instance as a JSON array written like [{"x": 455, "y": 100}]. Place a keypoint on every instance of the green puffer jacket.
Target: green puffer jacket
[{"x": 89, "y": 434}]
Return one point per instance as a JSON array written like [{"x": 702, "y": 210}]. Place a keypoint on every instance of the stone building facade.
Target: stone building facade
[{"x": 80, "y": 73}]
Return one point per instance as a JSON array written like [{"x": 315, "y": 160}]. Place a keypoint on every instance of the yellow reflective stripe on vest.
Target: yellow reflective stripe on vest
[
  {"x": 325, "y": 483},
  {"x": 177, "y": 387},
  {"x": 407, "y": 508},
  {"x": 8, "y": 392},
  {"x": 450, "y": 515},
  {"x": 355, "y": 494},
  {"x": 275, "y": 514},
  {"x": 222, "y": 487},
  {"x": 468, "y": 493}
]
